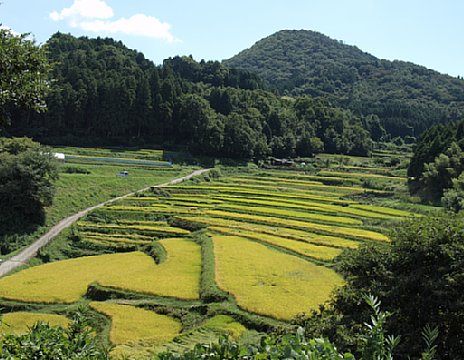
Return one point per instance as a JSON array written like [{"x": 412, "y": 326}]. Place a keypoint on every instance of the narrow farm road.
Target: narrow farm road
[{"x": 31, "y": 251}]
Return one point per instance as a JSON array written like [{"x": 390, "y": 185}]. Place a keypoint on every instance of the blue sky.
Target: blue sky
[{"x": 426, "y": 32}]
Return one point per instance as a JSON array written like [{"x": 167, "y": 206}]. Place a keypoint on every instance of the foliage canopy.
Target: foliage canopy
[{"x": 24, "y": 70}]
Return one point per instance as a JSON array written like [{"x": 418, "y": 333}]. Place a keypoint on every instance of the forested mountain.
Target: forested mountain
[
  {"x": 408, "y": 98},
  {"x": 104, "y": 93}
]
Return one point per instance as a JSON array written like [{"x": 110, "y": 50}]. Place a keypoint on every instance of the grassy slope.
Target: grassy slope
[{"x": 75, "y": 192}]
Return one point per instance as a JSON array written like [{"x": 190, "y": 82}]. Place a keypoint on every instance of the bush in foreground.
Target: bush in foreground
[{"x": 47, "y": 342}]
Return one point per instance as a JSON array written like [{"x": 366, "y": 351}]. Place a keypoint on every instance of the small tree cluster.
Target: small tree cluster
[{"x": 24, "y": 70}]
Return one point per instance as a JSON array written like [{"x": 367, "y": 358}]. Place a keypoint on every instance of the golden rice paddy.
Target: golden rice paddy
[
  {"x": 133, "y": 328},
  {"x": 20, "y": 322},
  {"x": 268, "y": 282},
  {"x": 66, "y": 281}
]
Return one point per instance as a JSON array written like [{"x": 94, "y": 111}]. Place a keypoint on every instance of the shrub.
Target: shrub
[
  {"x": 47, "y": 342},
  {"x": 74, "y": 170}
]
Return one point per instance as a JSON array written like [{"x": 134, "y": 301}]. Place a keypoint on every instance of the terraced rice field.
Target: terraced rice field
[
  {"x": 134, "y": 329},
  {"x": 269, "y": 282},
  {"x": 178, "y": 276},
  {"x": 20, "y": 322},
  {"x": 273, "y": 238}
]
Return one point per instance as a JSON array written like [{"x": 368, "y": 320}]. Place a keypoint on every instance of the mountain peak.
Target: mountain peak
[{"x": 305, "y": 62}]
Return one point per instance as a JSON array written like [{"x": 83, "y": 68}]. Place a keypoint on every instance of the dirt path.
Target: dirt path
[{"x": 31, "y": 251}]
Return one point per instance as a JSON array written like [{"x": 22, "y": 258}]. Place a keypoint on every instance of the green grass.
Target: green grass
[
  {"x": 75, "y": 192},
  {"x": 146, "y": 154}
]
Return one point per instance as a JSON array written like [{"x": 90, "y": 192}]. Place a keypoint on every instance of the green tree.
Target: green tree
[
  {"x": 418, "y": 278},
  {"x": 27, "y": 174},
  {"x": 238, "y": 137},
  {"x": 24, "y": 70},
  {"x": 309, "y": 145},
  {"x": 439, "y": 175},
  {"x": 453, "y": 198}
]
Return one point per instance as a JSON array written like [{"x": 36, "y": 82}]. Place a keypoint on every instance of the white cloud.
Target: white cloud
[
  {"x": 88, "y": 9},
  {"x": 95, "y": 16},
  {"x": 138, "y": 24}
]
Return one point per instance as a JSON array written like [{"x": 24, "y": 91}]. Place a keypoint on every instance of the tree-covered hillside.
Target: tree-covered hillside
[
  {"x": 104, "y": 93},
  {"x": 437, "y": 166},
  {"x": 408, "y": 98}
]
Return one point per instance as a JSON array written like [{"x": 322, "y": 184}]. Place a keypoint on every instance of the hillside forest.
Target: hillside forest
[
  {"x": 104, "y": 93},
  {"x": 408, "y": 98}
]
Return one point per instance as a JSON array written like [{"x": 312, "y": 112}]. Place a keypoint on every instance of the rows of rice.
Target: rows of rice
[
  {"x": 66, "y": 281},
  {"x": 284, "y": 218},
  {"x": 134, "y": 330},
  {"x": 248, "y": 271},
  {"x": 20, "y": 322}
]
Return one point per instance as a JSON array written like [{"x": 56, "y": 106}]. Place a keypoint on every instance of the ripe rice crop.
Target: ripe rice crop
[
  {"x": 284, "y": 213},
  {"x": 142, "y": 222},
  {"x": 115, "y": 240},
  {"x": 359, "y": 175},
  {"x": 333, "y": 230},
  {"x": 132, "y": 327},
  {"x": 345, "y": 190},
  {"x": 178, "y": 276},
  {"x": 284, "y": 196},
  {"x": 200, "y": 198},
  {"x": 339, "y": 190},
  {"x": 268, "y": 282},
  {"x": 20, "y": 322},
  {"x": 192, "y": 204},
  {"x": 385, "y": 210},
  {"x": 255, "y": 190},
  {"x": 269, "y": 202},
  {"x": 308, "y": 205},
  {"x": 301, "y": 180},
  {"x": 177, "y": 200},
  {"x": 284, "y": 232},
  {"x": 110, "y": 244},
  {"x": 225, "y": 323},
  {"x": 161, "y": 229},
  {"x": 154, "y": 209},
  {"x": 117, "y": 236},
  {"x": 303, "y": 248},
  {"x": 271, "y": 180},
  {"x": 352, "y": 210}
]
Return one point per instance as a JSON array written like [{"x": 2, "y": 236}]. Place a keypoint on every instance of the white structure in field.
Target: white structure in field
[{"x": 59, "y": 156}]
